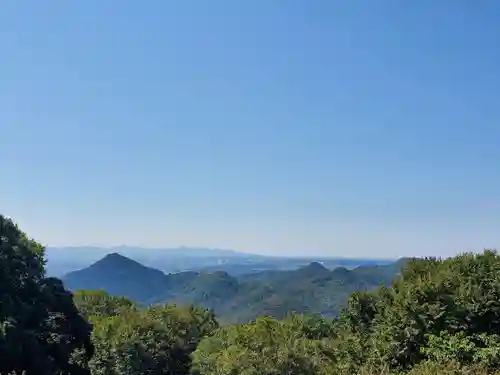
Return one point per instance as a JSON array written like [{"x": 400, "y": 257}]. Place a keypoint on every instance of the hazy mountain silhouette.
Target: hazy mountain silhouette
[
  {"x": 62, "y": 260},
  {"x": 120, "y": 276}
]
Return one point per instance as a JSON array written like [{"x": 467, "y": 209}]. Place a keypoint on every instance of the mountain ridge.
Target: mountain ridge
[
  {"x": 62, "y": 260},
  {"x": 235, "y": 298}
]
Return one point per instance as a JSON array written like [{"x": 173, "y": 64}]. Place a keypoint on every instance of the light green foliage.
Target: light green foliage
[
  {"x": 158, "y": 340},
  {"x": 296, "y": 345},
  {"x": 100, "y": 303},
  {"x": 437, "y": 309},
  {"x": 483, "y": 349}
]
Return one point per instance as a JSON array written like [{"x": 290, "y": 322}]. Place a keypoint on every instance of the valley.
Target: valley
[{"x": 311, "y": 288}]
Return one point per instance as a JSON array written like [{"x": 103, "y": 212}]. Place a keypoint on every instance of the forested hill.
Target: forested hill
[{"x": 313, "y": 288}]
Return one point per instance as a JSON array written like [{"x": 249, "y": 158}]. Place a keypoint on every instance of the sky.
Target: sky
[{"x": 344, "y": 128}]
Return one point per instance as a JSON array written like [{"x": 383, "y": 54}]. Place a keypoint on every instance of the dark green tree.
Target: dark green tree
[{"x": 41, "y": 330}]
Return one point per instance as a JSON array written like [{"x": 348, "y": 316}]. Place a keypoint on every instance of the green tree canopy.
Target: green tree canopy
[
  {"x": 158, "y": 340},
  {"x": 41, "y": 330},
  {"x": 100, "y": 303},
  {"x": 295, "y": 345},
  {"x": 434, "y": 306}
]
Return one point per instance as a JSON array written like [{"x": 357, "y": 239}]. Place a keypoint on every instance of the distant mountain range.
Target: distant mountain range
[
  {"x": 311, "y": 288},
  {"x": 61, "y": 260}
]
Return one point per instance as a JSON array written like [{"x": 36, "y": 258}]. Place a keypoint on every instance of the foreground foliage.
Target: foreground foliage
[
  {"x": 41, "y": 330},
  {"x": 295, "y": 345},
  {"x": 437, "y": 310},
  {"x": 158, "y": 340},
  {"x": 437, "y": 313}
]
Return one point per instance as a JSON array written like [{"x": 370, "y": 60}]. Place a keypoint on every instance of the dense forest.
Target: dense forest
[
  {"x": 438, "y": 316},
  {"x": 234, "y": 299}
]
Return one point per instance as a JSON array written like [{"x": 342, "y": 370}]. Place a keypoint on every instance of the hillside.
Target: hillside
[
  {"x": 119, "y": 275},
  {"x": 312, "y": 288}
]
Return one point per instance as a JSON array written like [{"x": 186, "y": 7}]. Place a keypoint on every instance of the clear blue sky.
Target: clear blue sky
[{"x": 354, "y": 128}]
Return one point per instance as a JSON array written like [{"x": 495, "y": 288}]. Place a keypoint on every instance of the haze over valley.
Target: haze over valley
[{"x": 61, "y": 260}]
